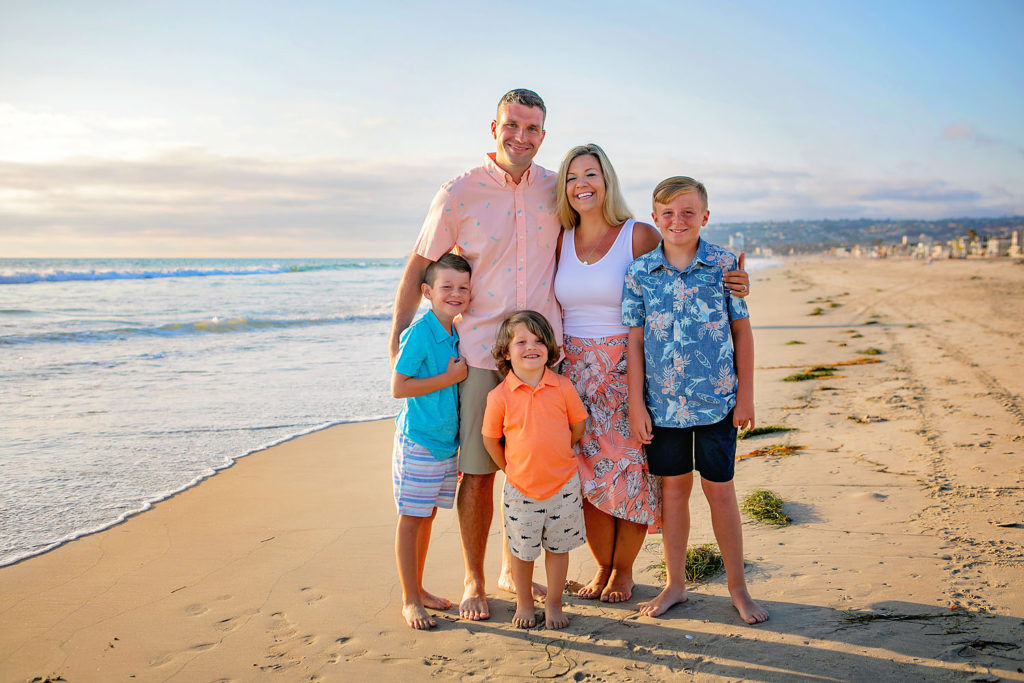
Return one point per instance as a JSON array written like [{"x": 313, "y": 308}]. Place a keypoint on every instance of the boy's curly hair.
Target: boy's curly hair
[{"x": 535, "y": 323}]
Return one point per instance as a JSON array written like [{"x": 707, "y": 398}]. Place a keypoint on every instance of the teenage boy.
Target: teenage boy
[{"x": 690, "y": 373}]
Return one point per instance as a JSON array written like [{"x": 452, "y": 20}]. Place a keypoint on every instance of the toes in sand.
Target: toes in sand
[
  {"x": 434, "y": 602},
  {"x": 474, "y": 605},
  {"x": 619, "y": 588},
  {"x": 750, "y": 611},
  {"x": 596, "y": 585},
  {"x": 669, "y": 596},
  {"x": 554, "y": 617},
  {"x": 524, "y": 618},
  {"x": 417, "y": 617}
]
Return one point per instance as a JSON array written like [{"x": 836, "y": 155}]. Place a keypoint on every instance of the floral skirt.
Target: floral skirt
[{"x": 612, "y": 465}]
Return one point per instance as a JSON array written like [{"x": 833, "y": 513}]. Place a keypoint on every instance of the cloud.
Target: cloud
[
  {"x": 191, "y": 202},
  {"x": 191, "y": 197},
  {"x": 935, "y": 191}
]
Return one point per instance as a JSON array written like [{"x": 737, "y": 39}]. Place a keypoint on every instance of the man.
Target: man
[{"x": 500, "y": 217}]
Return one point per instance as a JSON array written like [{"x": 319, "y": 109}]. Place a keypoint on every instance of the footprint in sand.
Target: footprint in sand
[
  {"x": 196, "y": 609},
  {"x": 311, "y": 595}
]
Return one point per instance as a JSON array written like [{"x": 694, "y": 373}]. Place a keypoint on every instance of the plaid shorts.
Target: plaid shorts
[{"x": 421, "y": 481}]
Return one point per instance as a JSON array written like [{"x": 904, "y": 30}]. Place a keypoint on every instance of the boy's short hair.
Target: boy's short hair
[
  {"x": 670, "y": 188},
  {"x": 614, "y": 208},
  {"x": 525, "y": 97},
  {"x": 450, "y": 261},
  {"x": 535, "y": 323}
]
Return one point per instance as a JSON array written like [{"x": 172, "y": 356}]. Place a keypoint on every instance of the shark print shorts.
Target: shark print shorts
[{"x": 556, "y": 523}]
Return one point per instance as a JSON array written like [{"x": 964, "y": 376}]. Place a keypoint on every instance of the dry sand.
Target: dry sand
[{"x": 903, "y": 560}]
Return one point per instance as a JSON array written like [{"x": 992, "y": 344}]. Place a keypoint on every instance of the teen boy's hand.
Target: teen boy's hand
[
  {"x": 737, "y": 281},
  {"x": 640, "y": 424},
  {"x": 457, "y": 369},
  {"x": 743, "y": 413}
]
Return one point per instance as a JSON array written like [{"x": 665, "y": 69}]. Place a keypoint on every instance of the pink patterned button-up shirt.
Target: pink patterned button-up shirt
[{"x": 508, "y": 234}]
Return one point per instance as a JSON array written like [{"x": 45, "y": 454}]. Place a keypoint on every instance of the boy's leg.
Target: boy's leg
[
  {"x": 629, "y": 538},
  {"x": 675, "y": 531},
  {"x": 522, "y": 574},
  {"x": 422, "y": 544},
  {"x": 556, "y": 566},
  {"x": 725, "y": 520},
  {"x": 601, "y": 541},
  {"x": 407, "y": 553},
  {"x": 506, "y": 580},
  {"x": 715, "y": 456}
]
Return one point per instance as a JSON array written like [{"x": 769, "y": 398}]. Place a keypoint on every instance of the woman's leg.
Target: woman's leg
[
  {"x": 629, "y": 538},
  {"x": 601, "y": 541}
]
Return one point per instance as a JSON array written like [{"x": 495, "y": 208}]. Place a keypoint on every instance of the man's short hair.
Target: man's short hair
[
  {"x": 525, "y": 97},
  {"x": 450, "y": 261},
  {"x": 670, "y": 188}
]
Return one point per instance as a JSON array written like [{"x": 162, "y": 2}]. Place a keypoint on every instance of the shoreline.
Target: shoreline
[
  {"x": 232, "y": 461},
  {"x": 903, "y": 559}
]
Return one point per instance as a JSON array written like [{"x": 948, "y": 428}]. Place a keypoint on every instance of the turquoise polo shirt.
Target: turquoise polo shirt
[{"x": 431, "y": 420}]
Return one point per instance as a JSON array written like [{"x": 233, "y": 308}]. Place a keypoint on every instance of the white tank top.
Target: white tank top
[{"x": 591, "y": 294}]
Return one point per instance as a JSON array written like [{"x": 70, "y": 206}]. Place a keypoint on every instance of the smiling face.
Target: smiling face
[
  {"x": 448, "y": 295},
  {"x": 527, "y": 353},
  {"x": 584, "y": 184},
  {"x": 681, "y": 219},
  {"x": 518, "y": 130}
]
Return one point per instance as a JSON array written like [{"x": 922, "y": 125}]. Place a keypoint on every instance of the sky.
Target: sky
[{"x": 274, "y": 129}]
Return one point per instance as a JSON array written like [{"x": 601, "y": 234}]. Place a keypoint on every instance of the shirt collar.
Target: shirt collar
[
  {"x": 547, "y": 379},
  {"x": 437, "y": 330},
  {"x": 501, "y": 176},
  {"x": 702, "y": 256}
]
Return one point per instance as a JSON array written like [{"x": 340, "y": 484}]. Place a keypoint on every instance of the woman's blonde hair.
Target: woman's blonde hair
[
  {"x": 615, "y": 210},
  {"x": 537, "y": 324}
]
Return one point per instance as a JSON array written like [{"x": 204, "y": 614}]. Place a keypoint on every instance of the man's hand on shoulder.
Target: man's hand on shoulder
[{"x": 737, "y": 281}]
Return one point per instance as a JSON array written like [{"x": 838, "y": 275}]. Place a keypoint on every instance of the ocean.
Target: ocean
[{"x": 124, "y": 381}]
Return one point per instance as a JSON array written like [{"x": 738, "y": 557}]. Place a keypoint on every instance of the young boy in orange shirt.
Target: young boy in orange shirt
[{"x": 541, "y": 416}]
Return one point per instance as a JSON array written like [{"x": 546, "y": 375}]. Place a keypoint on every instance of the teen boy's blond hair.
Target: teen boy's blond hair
[
  {"x": 670, "y": 188},
  {"x": 615, "y": 210}
]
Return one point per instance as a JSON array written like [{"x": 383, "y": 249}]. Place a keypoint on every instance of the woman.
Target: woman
[{"x": 599, "y": 239}]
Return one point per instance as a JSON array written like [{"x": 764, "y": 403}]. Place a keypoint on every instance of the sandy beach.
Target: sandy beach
[{"x": 903, "y": 562}]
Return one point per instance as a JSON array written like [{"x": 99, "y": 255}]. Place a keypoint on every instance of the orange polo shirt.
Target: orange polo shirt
[
  {"x": 535, "y": 423},
  {"x": 508, "y": 233}
]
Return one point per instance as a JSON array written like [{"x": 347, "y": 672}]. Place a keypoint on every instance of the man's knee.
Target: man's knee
[{"x": 476, "y": 485}]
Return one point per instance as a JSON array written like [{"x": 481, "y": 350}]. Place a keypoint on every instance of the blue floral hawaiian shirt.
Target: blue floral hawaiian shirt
[{"x": 691, "y": 375}]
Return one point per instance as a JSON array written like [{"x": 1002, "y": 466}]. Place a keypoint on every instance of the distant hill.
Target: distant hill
[{"x": 817, "y": 235}]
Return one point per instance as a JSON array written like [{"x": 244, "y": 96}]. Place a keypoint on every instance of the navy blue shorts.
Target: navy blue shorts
[{"x": 675, "y": 450}]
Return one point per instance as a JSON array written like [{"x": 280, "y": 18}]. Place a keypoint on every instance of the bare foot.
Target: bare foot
[
  {"x": 750, "y": 611},
  {"x": 596, "y": 585},
  {"x": 524, "y": 618},
  {"x": 434, "y": 602},
  {"x": 474, "y": 604},
  {"x": 417, "y": 617},
  {"x": 669, "y": 595},
  {"x": 619, "y": 588},
  {"x": 554, "y": 617},
  {"x": 505, "y": 583}
]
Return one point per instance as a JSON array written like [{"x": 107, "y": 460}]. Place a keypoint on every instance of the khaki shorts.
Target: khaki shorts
[{"x": 473, "y": 457}]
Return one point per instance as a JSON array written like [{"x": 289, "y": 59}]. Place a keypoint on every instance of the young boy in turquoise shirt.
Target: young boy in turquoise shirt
[
  {"x": 424, "y": 468},
  {"x": 690, "y": 370}
]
